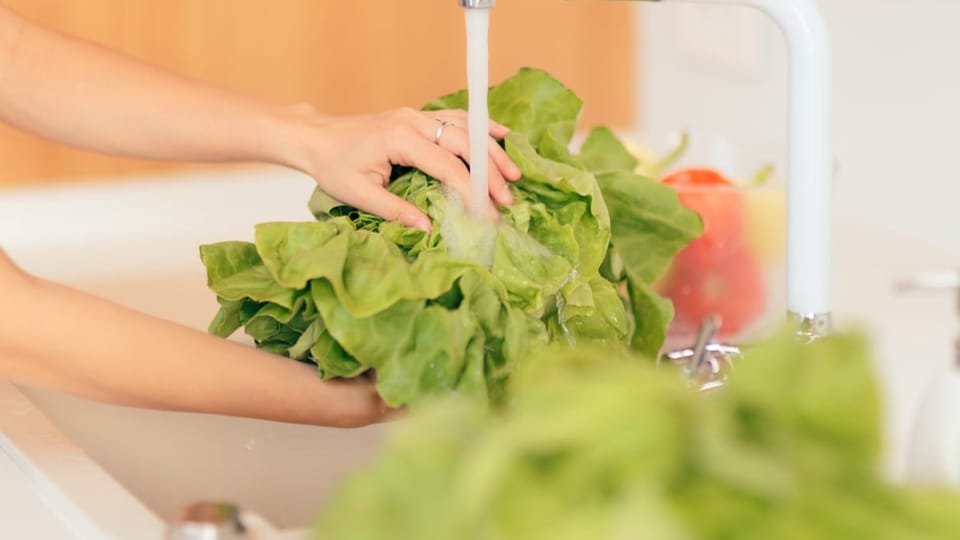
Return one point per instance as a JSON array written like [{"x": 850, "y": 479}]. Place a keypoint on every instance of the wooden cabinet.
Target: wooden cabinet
[{"x": 343, "y": 56}]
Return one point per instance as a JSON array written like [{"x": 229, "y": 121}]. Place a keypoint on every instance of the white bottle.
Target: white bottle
[{"x": 933, "y": 456}]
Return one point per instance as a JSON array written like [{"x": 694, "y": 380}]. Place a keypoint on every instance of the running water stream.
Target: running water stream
[{"x": 478, "y": 25}]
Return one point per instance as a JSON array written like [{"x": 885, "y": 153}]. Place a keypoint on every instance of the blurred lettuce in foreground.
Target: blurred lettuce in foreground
[
  {"x": 573, "y": 261},
  {"x": 599, "y": 444}
]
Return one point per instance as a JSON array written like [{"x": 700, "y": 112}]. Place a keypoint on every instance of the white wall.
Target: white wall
[{"x": 896, "y": 100}]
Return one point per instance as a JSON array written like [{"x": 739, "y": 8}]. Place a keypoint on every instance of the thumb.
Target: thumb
[{"x": 381, "y": 202}]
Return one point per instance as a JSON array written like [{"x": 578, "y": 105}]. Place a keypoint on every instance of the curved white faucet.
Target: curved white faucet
[{"x": 810, "y": 167}]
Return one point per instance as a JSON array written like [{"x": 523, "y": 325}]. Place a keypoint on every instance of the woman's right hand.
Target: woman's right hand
[{"x": 351, "y": 157}]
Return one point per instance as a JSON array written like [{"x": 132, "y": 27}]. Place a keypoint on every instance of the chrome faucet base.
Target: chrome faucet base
[
  {"x": 711, "y": 372},
  {"x": 706, "y": 365},
  {"x": 812, "y": 326}
]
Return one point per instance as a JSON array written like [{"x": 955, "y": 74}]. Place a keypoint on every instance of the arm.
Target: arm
[
  {"x": 59, "y": 338},
  {"x": 83, "y": 95}
]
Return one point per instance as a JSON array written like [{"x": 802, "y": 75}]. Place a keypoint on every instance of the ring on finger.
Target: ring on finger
[{"x": 443, "y": 125}]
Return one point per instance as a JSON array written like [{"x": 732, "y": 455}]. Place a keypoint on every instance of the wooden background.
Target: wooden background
[{"x": 344, "y": 56}]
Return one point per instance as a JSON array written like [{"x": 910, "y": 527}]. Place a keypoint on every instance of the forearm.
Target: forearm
[
  {"x": 83, "y": 95},
  {"x": 56, "y": 337}
]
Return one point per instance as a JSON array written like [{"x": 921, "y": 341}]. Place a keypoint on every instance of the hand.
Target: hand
[
  {"x": 355, "y": 403},
  {"x": 182, "y": 370},
  {"x": 351, "y": 157}
]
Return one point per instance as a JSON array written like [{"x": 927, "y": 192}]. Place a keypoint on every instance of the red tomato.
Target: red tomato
[
  {"x": 734, "y": 289},
  {"x": 696, "y": 177},
  {"x": 719, "y": 204}
]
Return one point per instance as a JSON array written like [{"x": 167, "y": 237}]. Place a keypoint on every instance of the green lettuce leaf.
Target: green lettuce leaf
[
  {"x": 649, "y": 227},
  {"x": 574, "y": 197},
  {"x": 529, "y": 103},
  {"x": 602, "y": 151},
  {"x": 367, "y": 271}
]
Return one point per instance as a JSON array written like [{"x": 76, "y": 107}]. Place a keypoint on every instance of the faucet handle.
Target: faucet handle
[
  {"x": 931, "y": 281},
  {"x": 934, "y": 281},
  {"x": 927, "y": 281}
]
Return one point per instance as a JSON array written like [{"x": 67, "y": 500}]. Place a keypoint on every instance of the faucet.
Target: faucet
[{"x": 810, "y": 167}]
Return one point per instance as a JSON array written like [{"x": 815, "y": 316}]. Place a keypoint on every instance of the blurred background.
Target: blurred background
[
  {"x": 359, "y": 56},
  {"x": 654, "y": 70},
  {"x": 722, "y": 72}
]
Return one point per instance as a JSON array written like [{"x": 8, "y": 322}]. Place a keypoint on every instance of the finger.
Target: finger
[
  {"x": 496, "y": 130},
  {"x": 507, "y": 168},
  {"x": 415, "y": 151},
  {"x": 457, "y": 140},
  {"x": 390, "y": 207},
  {"x": 503, "y": 163},
  {"x": 412, "y": 145},
  {"x": 498, "y": 184}
]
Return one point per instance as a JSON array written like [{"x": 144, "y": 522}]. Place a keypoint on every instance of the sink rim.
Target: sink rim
[{"x": 74, "y": 487}]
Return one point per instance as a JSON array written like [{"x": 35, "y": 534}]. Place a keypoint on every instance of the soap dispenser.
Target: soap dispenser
[{"x": 933, "y": 455}]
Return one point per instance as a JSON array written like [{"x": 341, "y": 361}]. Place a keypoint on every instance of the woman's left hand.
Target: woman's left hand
[{"x": 351, "y": 157}]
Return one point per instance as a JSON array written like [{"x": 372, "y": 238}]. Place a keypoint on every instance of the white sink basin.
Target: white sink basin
[{"x": 136, "y": 243}]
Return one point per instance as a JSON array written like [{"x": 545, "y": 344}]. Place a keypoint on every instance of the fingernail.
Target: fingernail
[
  {"x": 425, "y": 227},
  {"x": 506, "y": 196}
]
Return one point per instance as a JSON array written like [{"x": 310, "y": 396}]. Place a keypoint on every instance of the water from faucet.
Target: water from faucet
[{"x": 478, "y": 24}]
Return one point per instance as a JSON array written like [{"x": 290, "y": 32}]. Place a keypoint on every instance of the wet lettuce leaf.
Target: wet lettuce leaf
[
  {"x": 456, "y": 309},
  {"x": 529, "y": 103},
  {"x": 598, "y": 443},
  {"x": 649, "y": 227}
]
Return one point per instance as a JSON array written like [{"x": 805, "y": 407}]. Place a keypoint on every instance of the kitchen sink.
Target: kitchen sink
[{"x": 136, "y": 243}]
